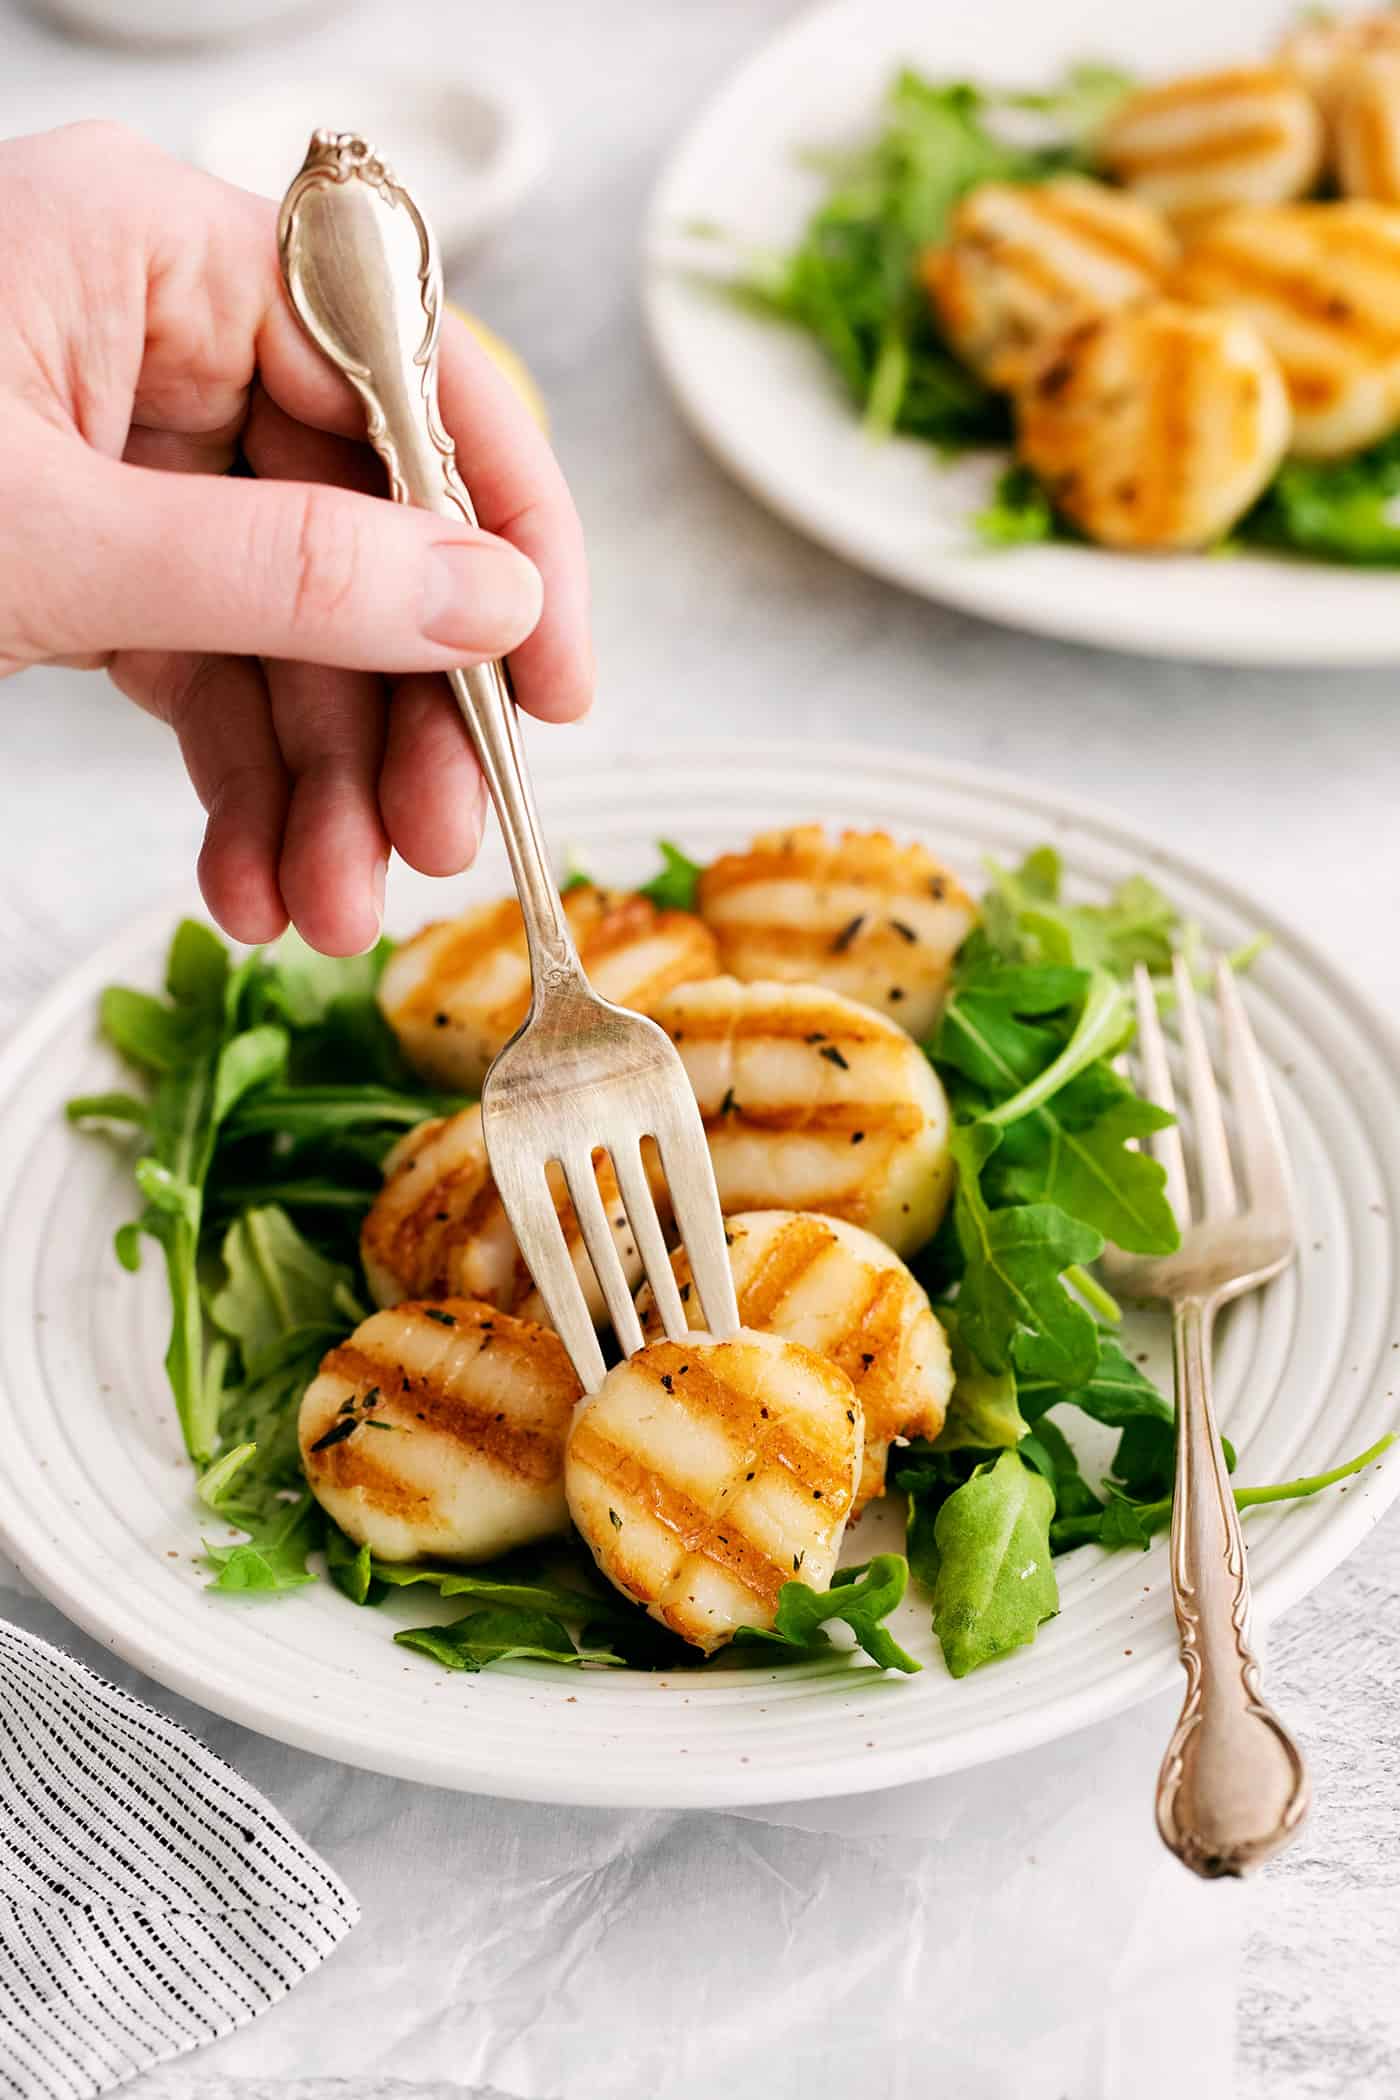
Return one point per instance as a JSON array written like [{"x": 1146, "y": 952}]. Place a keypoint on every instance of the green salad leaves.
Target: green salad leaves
[{"x": 274, "y": 1090}]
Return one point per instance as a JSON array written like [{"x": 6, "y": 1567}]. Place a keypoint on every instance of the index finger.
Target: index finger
[{"x": 511, "y": 473}]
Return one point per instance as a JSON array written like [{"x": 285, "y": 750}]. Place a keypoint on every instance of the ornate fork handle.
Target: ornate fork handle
[
  {"x": 363, "y": 275},
  {"x": 1233, "y": 1787}
]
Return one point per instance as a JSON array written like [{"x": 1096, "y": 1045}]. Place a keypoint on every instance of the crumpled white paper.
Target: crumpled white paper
[{"x": 1013, "y": 1931}]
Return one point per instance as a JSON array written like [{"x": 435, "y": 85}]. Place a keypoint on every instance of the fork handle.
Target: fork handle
[
  {"x": 1233, "y": 1787},
  {"x": 362, "y": 271}
]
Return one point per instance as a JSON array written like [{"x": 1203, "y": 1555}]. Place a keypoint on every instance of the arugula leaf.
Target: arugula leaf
[
  {"x": 1138, "y": 924},
  {"x": 1334, "y": 510},
  {"x": 992, "y": 1029},
  {"x": 1048, "y": 1449},
  {"x": 500, "y": 1633},
  {"x": 982, "y": 1410},
  {"x": 274, "y": 1558},
  {"x": 1075, "y": 1152},
  {"x": 674, "y": 889},
  {"x": 495, "y": 1587},
  {"x": 863, "y": 1597},
  {"x": 1020, "y": 513},
  {"x": 351, "y": 1567},
  {"x": 1013, "y": 1309},
  {"x": 277, "y": 1283},
  {"x": 995, "y": 1581},
  {"x": 320, "y": 1111}
]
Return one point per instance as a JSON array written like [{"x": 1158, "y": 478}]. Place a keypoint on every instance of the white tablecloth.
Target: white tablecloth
[{"x": 711, "y": 616}]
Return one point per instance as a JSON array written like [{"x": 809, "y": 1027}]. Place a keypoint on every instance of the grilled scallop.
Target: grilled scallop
[
  {"x": 705, "y": 1474},
  {"x": 878, "y": 922},
  {"x": 1156, "y": 427},
  {"x": 1023, "y": 262},
  {"x": 459, "y": 989},
  {"x": 812, "y": 1102},
  {"x": 1321, "y": 285},
  {"x": 440, "y": 1429},
  {"x": 841, "y": 1292},
  {"x": 1366, "y": 128},
  {"x": 1252, "y": 135},
  {"x": 1322, "y": 52},
  {"x": 438, "y": 1229}
]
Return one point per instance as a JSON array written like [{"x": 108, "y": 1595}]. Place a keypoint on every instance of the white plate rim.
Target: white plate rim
[{"x": 1068, "y": 1713}]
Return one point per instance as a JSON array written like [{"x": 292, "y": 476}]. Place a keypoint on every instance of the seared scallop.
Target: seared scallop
[
  {"x": 1156, "y": 427},
  {"x": 812, "y": 1102},
  {"x": 440, "y": 1429},
  {"x": 1322, "y": 50},
  {"x": 1023, "y": 262},
  {"x": 873, "y": 920},
  {"x": 438, "y": 1228},
  {"x": 1321, "y": 284},
  {"x": 703, "y": 1475},
  {"x": 1366, "y": 128},
  {"x": 1252, "y": 135},
  {"x": 457, "y": 991},
  {"x": 842, "y": 1292}
]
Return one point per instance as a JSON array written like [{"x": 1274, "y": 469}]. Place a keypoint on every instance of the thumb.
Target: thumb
[{"x": 321, "y": 575}]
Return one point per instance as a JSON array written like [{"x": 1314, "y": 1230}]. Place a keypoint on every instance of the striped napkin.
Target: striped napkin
[{"x": 149, "y": 1899}]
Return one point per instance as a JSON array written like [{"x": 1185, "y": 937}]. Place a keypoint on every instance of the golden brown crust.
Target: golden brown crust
[
  {"x": 458, "y": 990},
  {"x": 1249, "y": 134},
  {"x": 677, "y": 1465},
  {"x": 375, "y": 1378}
]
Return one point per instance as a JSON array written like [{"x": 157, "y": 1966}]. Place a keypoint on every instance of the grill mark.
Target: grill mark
[
  {"x": 1033, "y": 268},
  {"x": 704, "y": 1393},
  {"x": 1378, "y": 161},
  {"x": 866, "y": 860},
  {"x": 1110, "y": 237},
  {"x": 1206, "y": 87},
  {"x": 888, "y": 1119},
  {"x": 530, "y": 1454},
  {"x": 1167, "y": 439},
  {"x": 744, "y": 1024},
  {"x": 1220, "y": 149},
  {"x": 781, "y": 1267},
  {"x": 459, "y": 954},
  {"x": 1228, "y": 276},
  {"x": 688, "y": 1521}
]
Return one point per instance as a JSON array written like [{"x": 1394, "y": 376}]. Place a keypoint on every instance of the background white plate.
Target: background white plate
[
  {"x": 762, "y": 397},
  {"x": 95, "y": 1495}
]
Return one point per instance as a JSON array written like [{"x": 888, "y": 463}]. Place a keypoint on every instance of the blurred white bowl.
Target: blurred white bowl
[
  {"x": 153, "y": 24},
  {"x": 469, "y": 151}
]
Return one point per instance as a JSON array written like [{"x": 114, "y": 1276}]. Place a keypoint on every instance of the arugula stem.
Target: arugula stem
[
  {"x": 1155, "y": 1516},
  {"x": 1101, "y": 1026},
  {"x": 1094, "y": 1295}
]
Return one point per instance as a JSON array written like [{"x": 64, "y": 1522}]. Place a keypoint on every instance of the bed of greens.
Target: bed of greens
[
  {"x": 850, "y": 283},
  {"x": 273, "y": 1090}
]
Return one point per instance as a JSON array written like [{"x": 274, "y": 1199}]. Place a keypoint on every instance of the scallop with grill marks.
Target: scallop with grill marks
[
  {"x": 1024, "y": 262},
  {"x": 813, "y": 1102},
  {"x": 459, "y": 989},
  {"x": 438, "y": 1227},
  {"x": 1321, "y": 285},
  {"x": 705, "y": 1474},
  {"x": 1157, "y": 426},
  {"x": 1251, "y": 135},
  {"x": 876, "y": 921},
  {"x": 440, "y": 1430},
  {"x": 842, "y": 1292}
]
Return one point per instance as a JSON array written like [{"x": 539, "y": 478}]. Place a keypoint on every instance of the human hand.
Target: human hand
[{"x": 147, "y": 338}]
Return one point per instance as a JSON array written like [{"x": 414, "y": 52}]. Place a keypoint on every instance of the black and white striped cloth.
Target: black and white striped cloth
[{"x": 149, "y": 1899}]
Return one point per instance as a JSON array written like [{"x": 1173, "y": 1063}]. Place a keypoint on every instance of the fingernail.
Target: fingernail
[{"x": 480, "y": 597}]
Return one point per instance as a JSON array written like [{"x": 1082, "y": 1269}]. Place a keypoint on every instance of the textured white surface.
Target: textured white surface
[{"x": 712, "y": 616}]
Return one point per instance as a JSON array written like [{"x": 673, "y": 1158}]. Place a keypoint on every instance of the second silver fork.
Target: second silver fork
[{"x": 1233, "y": 1787}]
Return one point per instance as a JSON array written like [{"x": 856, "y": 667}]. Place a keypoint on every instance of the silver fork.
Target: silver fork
[
  {"x": 362, "y": 272},
  {"x": 1233, "y": 1788}
]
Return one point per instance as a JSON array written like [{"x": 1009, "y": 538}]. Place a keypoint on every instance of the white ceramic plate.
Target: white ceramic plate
[
  {"x": 95, "y": 1495},
  {"x": 761, "y": 396}
]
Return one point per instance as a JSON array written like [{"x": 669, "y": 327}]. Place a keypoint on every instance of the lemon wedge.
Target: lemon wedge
[{"x": 509, "y": 361}]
